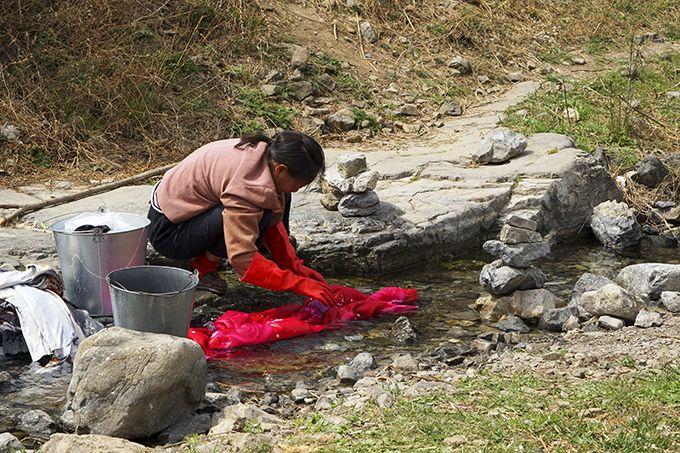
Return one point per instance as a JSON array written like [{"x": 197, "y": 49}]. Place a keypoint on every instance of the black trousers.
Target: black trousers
[{"x": 195, "y": 236}]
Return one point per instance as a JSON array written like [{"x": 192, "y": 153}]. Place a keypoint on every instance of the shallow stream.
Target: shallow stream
[{"x": 446, "y": 291}]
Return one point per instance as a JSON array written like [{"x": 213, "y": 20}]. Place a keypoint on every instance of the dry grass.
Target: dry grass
[{"x": 115, "y": 87}]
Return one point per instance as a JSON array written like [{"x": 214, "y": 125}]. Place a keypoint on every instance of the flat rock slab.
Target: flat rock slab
[
  {"x": 9, "y": 196},
  {"x": 132, "y": 199}
]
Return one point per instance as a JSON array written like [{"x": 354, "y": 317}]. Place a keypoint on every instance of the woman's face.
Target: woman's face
[{"x": 284, "y": 182}]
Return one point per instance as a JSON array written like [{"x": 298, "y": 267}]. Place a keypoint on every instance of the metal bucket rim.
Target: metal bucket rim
[
  {"x": 146, "y": 222},
  {"x": 193, "y": 281}
]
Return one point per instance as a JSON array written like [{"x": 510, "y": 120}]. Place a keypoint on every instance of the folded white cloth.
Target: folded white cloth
[{"x": 47, "y": 324}]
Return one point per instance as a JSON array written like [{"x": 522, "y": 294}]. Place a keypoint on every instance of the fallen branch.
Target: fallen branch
[
  {"x": 84, "y": 194},
  {"x": 10, "y": 206}
]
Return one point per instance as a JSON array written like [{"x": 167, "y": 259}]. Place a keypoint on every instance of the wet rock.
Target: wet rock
[
  {"x": 220, "y": 400},
  {"x": 300, "y": 57},
  {"x": 237, "y": 417},
  {"x": 196, "y": 424},
  {"x": 9, "y": 443},
  {"x": 351, "y": 164},
  {"x": 646, "y": 319},
  {"x": 91, "y": 443},
  {"x": 461, "y": 64},
  {"x": 365, "y": 181},
  {"x": 554, "y": 319},
  {"x": 368, "y": 32},
  {"x": 404, "y": 362},
  {"x": 615, "y": 226},
  {"x": 9, "y": 133},
  {"x": 492, "y": 308},
  {"x": 514, "y": 235},
  {"x": 611, "y": 300},
  {"x": 512, "y": 324},
  {"x": 650, "y": 171},
  {"x": 671, "y": 300},
  {"x": 610, "y": 323},
  {"x": 36, "y": 423},
  {"x": 523, "y": 219},
  {"x": 519, "y": 255},
  {"x": 403, "y": 331},
  {"x": 347, "y": 374},
  {"x": 341, "y": 121},
  {"x": 359, "y": 204},
  {"x": 450, "y": 108},
  {"x": 500, "y": 146},
  {"x": 301, "y": 90},
  {"x": 530, "y": 305},
  {"x": 649, "y": 280},
  {"x": 587, "y": 282},
  {"x": 330, "y": 202},
  {"x": 132, "y": 363},
  {"x": 362, "y": 362},
  {"x": 500, "y": 280}
]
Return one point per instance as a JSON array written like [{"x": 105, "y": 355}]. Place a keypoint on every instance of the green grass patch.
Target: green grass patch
[
  {"x": 263, "y": 114},
  {"x": 360, "y": 116},
  {"x": 521, "y": 413},
  {"x": 615, "y": 111}
]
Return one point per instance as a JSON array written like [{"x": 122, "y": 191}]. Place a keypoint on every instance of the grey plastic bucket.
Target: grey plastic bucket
[
  {"x": 87, "y": 257},
  {"x": 157, "y": 299}
]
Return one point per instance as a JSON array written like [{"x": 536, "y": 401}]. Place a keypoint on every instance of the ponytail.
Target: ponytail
[{"x": 303, "y": 156}]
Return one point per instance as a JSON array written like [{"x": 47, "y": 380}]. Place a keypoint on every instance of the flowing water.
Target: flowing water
[{"x": 446, "y": 290}]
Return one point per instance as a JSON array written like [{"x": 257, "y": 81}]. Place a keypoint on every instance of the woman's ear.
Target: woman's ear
[{"x": 280, "y": 168}]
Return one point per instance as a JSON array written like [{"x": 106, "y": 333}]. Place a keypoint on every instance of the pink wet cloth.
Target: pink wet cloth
[{"x": 236, "y": 328}]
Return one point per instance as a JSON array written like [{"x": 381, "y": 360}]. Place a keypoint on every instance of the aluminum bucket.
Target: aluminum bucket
[
  {"x": 86, "y": 258},
  {"x": 156, "y": 299}
]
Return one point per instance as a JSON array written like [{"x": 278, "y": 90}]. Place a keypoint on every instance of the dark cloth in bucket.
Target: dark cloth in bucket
[{"x": 195, "y": 236}]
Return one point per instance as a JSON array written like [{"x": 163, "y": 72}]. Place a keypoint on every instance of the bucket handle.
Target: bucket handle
[{"x": 118, "y": 285}]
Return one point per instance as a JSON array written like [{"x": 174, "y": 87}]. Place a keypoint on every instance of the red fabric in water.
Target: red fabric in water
[{"x": 236, "y": 328}]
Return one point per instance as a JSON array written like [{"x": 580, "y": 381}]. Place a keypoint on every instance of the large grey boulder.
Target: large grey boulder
[
  {"x": 499, "y": 279},
  {"x": 649, "y": 280},
  {"x": 518, "y": 255},
  {"x": 569, "y": 201},
  {"x": 134, "y": 384},
  {"x": 90, "y": 443},
  {"x": 650, "y": 171},
  {"x": 615, "y": 226},
  {"x": 36, "y": 423},
  {"x": 500, "y": 146},
  {"x": 611, "y": 300},
  {"x": 359, "y": 204},
  {"x": 587, "y": 282},
  {"x": 530, "y": 305}
]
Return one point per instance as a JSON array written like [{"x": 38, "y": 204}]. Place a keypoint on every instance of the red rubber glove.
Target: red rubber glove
[
  {"x": 267, "y": 274},
  {"x": 277, "y": 242}
]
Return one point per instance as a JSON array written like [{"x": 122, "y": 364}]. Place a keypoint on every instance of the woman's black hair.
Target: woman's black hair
[{"x": 299, "y": 152}]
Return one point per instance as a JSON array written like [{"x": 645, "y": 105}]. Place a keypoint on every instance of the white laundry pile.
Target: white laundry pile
[{"x": 47, "y": 325}]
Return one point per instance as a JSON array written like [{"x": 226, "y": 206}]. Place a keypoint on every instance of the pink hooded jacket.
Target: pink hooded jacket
[{"x": 238, "y": 179}]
